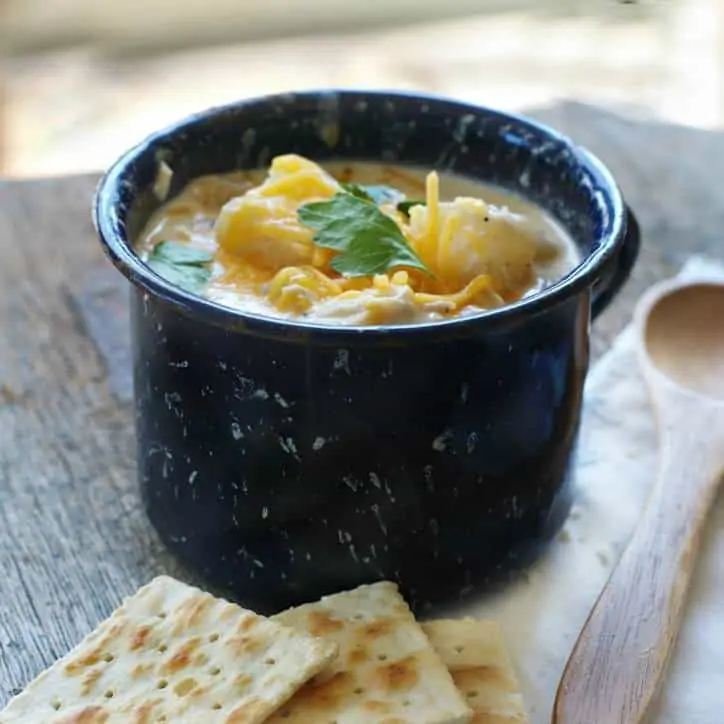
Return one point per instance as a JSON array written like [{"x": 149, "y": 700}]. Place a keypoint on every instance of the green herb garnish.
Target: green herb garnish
[
  {"x": 404, "y": 206},
  {"x": 376, "y": 193},
  {"x": 181, "y": 264},
  {"x": 369, "y": 242},
  {"x": 383, "y": 195}
]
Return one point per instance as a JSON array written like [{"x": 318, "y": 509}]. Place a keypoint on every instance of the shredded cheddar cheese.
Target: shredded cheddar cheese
[{"x": 477, "y": 255}]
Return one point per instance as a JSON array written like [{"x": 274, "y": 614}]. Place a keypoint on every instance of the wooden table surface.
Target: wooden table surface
[{"x": 73, "y": 537}]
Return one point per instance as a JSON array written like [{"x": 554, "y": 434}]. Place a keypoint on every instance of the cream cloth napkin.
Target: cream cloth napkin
[{"x": 542, "y": 613}]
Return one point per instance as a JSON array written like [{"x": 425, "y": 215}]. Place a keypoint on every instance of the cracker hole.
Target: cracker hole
[
  {"x": 109, "y": 694},
  {"x": 382, "y": 657},
  {"x": 108, "y": 658},
  {"x": 215, "y": 671},
  {"x": 163, "y": 648},
  {"x": 162, "y": 684},
  {"x": 357, "y": 617},
  {"x": 162, "y": 614},
  {"x": 359, "y": 690},
  {"x": 214, "y": 637},
  {"x": 459, "y": 649},
  {"x": 216, "y": 706},
  {"x": 406, "y": 702},
  {"x": 185, "y": 686},
  {"x": 270, "y": 661},
  {"x": 56, "y": 704},
  {"x": 472, "y": 694}
]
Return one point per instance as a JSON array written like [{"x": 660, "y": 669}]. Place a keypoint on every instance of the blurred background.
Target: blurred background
[{"x": 80, "y": 80}]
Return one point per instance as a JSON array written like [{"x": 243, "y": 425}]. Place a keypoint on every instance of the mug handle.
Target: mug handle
[{"x": 609, "y": 286}]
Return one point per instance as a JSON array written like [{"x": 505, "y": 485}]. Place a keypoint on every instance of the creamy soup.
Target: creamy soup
[{"x": 354, "y": 244}]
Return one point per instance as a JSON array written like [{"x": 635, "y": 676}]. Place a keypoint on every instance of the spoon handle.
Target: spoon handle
[{"x": 621, "y": 654}]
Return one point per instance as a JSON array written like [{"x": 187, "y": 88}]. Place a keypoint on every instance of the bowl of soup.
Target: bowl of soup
[{"x": 360, "y": 326}]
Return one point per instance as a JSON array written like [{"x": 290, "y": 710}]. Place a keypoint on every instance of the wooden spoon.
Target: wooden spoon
[{"x": 621, "y": 654}]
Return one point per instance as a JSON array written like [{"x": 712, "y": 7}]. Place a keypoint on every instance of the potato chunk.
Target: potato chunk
[
  {"x": 474, "y": 238},
  {"x": 262, "y": 227}
]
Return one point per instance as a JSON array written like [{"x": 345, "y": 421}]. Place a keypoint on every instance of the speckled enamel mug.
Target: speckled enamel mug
[{"x": 283, "y": 460}]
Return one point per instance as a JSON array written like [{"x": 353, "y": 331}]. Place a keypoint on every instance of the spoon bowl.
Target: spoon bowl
[
  {"x": 621, "y": 655},
  {"x": 683, "y": 336}
]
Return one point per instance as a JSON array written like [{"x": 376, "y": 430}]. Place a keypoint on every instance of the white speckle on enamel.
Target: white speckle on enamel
[
  {"x": 258, "y": 563},
  {"x": 246, "y": 389},
  {"x": 375, "y": 480},
  {"x": 464, "y": 389},
  {"x": 353, "y": 552},
  {"x": 308, "y": 556},
  {"x": 318, "y": 443},
  {"x": 471, "y": 442},
  {"x": 341, "y": 361},
  {"x": 350, "y": 482},
  {"x": 280, "y": 400},
  {"x": 440, "y": 442},
  {"x": 181, "y": 365},
  {"x": 172, "y": 400},
  {"x": 193, "y": 476},
  {"x": 461, "y": 129},
  {"x": 289, "y": 447},
  {"x": 264, "y": 512},
  {"x": 427, "y": 475},
  {"x": 236, "y": 431},
  {"x": 376, "y": 510},
  {"x": 167, "y": 464}
]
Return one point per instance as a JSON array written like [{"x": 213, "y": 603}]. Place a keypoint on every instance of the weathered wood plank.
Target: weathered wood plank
[{"x": 73, "y": 537}]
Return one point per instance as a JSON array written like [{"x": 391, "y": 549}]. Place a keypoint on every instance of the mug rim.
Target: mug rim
[{"x": 110, "y": 227}]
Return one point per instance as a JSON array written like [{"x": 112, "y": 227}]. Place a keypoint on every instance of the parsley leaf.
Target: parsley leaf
[
  {"x": 376, "y": 193},
  {"x": 365, "y": 259},
  {"x": 369, "y": 242},
  {"x": 181, "y": 264},
  {"x": 404, "y": 206}
]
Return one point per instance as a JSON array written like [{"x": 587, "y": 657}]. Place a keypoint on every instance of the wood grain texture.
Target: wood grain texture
[
  {"x": 619, "y": 660},
  {"x": 73, "y": 537}
]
